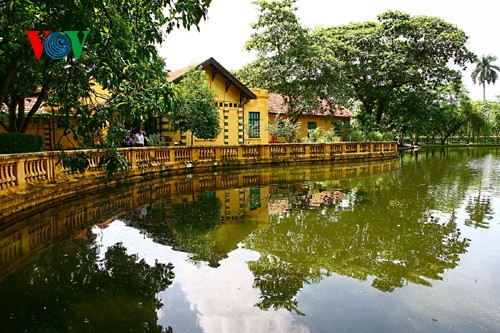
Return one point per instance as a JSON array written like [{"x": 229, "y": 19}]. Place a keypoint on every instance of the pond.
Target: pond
[{"x": 407, "y": 245}]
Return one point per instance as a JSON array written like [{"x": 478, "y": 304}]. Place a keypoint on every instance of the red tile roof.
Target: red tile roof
[{"x": 277, "y": 106}]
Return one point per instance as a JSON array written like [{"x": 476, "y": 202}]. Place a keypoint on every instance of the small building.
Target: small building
[
  {"x": 326, "y": 119},
  {"x": 240, "y": 108}
]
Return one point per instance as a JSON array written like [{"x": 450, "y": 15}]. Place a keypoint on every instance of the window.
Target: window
[
  {"x": 254, "y": 198},
  {"x": 311, "y": 126},
  {"x": 254, "y": 124}
]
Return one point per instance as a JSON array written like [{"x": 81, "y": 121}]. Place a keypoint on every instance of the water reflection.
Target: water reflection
[
  {"x": 71, "y": 289},
  {"x": 236, "y": 251}
]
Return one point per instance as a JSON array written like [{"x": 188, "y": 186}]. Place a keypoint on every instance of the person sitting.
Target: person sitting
[{"x": 127, "y": 141}]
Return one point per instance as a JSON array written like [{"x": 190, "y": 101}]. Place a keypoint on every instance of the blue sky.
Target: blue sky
[{"x": 223, "y": 35}]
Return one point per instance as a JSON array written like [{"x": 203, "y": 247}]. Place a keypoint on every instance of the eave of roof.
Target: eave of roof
[{"x": 176, "y": 76}]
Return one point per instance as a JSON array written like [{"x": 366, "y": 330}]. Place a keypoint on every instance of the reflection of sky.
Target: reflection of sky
[{"x": 223, "y": 299}]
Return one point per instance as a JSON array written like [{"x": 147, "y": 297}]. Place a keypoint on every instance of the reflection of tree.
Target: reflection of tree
[
  {"x": 68, "y": 289},
  {"x": 380, "y": 229},
  {"x": 185, "y": 226},
  {"x": 480, "y": 211},
  {"x": 279, "y": 282}
]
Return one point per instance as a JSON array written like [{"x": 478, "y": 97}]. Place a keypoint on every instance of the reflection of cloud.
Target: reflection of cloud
[{"x": 222, "y": 298}]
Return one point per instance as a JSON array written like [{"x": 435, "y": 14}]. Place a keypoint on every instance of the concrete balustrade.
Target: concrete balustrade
[{"x": 29, "y": 179}]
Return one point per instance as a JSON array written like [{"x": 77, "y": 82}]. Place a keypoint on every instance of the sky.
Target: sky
[{"x": 223, "y": 35}]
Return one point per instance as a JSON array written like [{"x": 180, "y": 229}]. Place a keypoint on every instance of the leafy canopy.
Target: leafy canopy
[
  {"x": 399, "y": 62},
  {"x": 288, "y": 62},
  {"x": 194, "y": 109}
]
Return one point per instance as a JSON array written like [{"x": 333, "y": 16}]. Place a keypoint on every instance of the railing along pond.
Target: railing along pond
[{"x": 19, "y": 172}]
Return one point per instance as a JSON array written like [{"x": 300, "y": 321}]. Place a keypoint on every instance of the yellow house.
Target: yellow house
[
  {"x": 50, "y": 125},
  {"x": 243, "y": 111},
  {"x": 325, "y": 119}
]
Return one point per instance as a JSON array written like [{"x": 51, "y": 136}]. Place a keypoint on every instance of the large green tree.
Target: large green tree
[
  {"x": 485, "y": 72},
  {"x": 288, "y": 62},
  {"x": 394, "y": 66},
  {"x": 194, "y": 108},
  {"x": 119, "y": 54}
]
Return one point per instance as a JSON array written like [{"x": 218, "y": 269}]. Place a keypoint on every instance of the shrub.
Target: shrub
[
  {"x": 12, "y": 143},
  {"x": 156, "y": 140}
]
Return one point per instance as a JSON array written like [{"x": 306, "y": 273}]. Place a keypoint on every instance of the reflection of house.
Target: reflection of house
[
  {"x": 237, "y": 104},
  {"x": 326, "y": 119}
]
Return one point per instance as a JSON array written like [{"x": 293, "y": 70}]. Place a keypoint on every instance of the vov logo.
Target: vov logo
[{"x": 57, "y": 45}]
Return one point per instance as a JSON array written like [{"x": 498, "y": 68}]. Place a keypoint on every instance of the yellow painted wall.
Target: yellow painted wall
[
  {"x": 325, "y": 122},
  {"x": 232, "y": 115}
]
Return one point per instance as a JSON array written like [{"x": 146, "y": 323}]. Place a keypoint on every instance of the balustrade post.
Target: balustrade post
[
  {"x": 133, "y": 159},
  {"x": 327, "y": 150},
  {"x": 171, "y": 154},
  {"x": 358, "y": 148},
  {"x": 287, "y": 151},
  {"x": 344, "y": 148},
  {"x": 264, "y": 152},
  {"x": 218, "y": 153},
  {"x": 194, "y": 153},
  {"x": 20, "y": 174},
  {"x": 152, "y": 156},
  {"x": 307, "y": 150},
  {"x": 372, "y": 148},
  {"x": 240, "y": 152}
]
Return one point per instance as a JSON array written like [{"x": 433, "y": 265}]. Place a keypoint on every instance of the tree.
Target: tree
[
  {"x": 485, "y": 72},
  {"x": 454, "y": 112},
  {"x": 194, "y": 108},
  {"x": 395, "y": 65},
  {"x": 287, "y": 61},
  {"x": 119, "y": 54}
]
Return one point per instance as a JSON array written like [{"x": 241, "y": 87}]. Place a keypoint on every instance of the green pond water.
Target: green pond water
[{"x": 406, "y": 245}]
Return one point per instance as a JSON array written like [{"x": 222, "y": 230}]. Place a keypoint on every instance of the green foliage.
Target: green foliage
[
  {"x": 112, "y": 162},
  {"x": 194, "y": 109},
  {"x": 287, "y": 61},
  {"x": 12, "y": 143},
  {"x": 314, "y": 135},
  {"x": 119, "y": 54},
  {"x": 274, "y": 128},
  {"x": 78, "y": 162},
  {"x": 284, "y": 127},
  {"x": 395, "y": 66},
  {"x": 156, "y": 140}
]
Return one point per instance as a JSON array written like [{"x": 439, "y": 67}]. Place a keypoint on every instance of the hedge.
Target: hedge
[{"x": 12, "y": 143}]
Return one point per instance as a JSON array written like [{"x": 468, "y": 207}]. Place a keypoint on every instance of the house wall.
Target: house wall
[
  {"x": 51, "y": 140},
  {"x": 325, "y": 122},
  {"x": 232, "y": 116}
]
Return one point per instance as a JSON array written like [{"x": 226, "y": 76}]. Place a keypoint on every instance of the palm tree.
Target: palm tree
[{"x": 485, "y": 72}]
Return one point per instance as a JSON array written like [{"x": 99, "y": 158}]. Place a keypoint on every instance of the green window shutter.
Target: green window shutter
[{"x": 254, "y": 123}]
